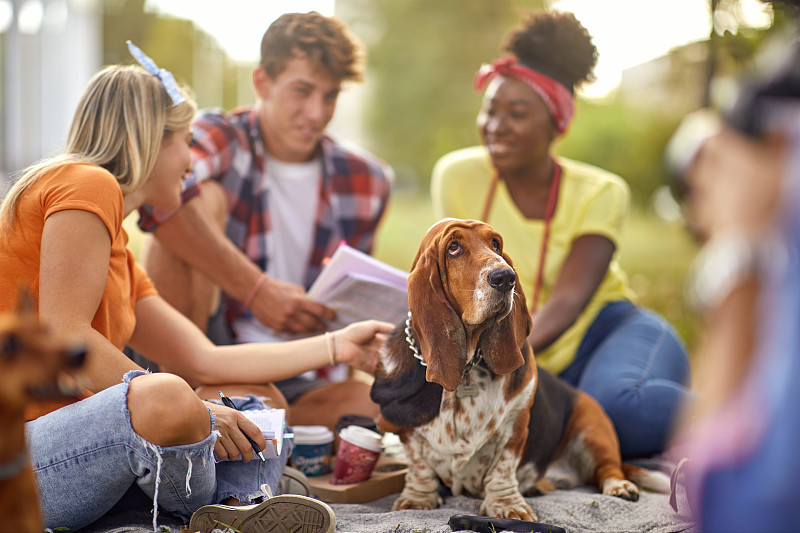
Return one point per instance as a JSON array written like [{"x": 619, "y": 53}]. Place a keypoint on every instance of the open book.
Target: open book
[
  {"x": 360, "y": 287},
  {"x": 272, "y": 423}
]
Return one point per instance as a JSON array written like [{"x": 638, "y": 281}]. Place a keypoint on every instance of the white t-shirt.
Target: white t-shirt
[{"x": 293, "y": 199}]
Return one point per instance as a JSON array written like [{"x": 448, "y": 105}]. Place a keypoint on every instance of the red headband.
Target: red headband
[{"x": 556, "y": 97}]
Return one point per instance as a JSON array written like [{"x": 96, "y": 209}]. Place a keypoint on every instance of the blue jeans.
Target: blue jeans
[
  {"x": 86, "y": 456},
  {"x": 633, "y": 363}
]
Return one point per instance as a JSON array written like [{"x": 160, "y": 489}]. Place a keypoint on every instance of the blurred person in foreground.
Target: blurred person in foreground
[
  {"x": 132, "y": 432},
  {"x": 743, "y": 199},
  {"x": 271, "y": 196},
  {"x": 562, "y": 223}
]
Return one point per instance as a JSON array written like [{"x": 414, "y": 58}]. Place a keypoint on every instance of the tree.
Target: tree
[
  {"x": 193, "y": 56},
  {"x": 423, "y": 56}
]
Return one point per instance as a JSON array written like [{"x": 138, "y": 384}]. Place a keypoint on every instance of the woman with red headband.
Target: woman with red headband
[{"x": 561, "y": 223}]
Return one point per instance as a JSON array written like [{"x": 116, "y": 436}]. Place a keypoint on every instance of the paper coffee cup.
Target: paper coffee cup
[
  {"x": 313, "y": 446},
  {"x": 359, "y": 449}
]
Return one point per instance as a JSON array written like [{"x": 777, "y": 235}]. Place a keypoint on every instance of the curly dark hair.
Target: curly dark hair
[
  {"x": 325, "y": 41},
  {"x": 557, "y": 45}
]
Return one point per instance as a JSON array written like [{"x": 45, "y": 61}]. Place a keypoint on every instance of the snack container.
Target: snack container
[{"x": 313, "y": 446}]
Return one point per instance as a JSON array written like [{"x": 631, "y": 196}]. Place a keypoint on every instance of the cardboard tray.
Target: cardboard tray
[{"x": 388, "y": 477}]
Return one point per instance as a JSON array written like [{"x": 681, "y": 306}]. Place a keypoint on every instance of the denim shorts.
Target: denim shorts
[{"x": 86, "y": 456}]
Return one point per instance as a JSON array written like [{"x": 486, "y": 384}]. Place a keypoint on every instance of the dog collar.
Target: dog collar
[
  {"x": 13, "y": 467},
  {"x": 411, "y": 342},
  {"x": 464, "y": 389}
]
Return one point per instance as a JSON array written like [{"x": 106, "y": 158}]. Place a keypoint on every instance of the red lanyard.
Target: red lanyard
[{"x": 548, "y": 216}]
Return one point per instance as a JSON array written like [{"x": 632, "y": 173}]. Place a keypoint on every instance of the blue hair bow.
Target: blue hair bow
[{"x": 165, "y": 76}]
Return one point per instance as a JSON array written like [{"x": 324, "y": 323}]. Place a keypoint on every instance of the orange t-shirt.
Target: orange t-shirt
[{"x": 86, "y": 188}]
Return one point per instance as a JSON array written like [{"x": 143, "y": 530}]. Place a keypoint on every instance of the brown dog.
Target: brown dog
[
  {"x": 30, "y": 361},
  {"x": 460, "y": 386}
]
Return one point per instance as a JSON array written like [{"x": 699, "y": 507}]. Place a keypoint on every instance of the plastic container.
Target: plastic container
[{"x": 313, "y": 446}]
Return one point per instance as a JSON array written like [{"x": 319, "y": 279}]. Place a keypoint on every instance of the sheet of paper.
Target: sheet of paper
[
  {"x": 272, "y": 423},
  {"x": 360, "y": 287}
]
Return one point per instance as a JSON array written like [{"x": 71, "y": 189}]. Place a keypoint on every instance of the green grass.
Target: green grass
[{"x": 655, "y": 254}]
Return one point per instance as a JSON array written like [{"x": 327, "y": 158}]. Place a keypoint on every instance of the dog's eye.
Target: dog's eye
[
  {"x": 496, "y": 245},
  {"x": 454, "y": 250}
]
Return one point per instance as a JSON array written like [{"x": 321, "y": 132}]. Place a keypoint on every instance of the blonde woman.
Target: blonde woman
[{"x": 61, "y": 237}]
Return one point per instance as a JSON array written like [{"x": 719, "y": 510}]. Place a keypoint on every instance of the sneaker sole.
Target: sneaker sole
[{"x": 280, "y": 514}]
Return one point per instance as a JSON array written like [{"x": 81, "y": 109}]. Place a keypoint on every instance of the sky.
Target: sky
[{"x": 625, "y": 32}]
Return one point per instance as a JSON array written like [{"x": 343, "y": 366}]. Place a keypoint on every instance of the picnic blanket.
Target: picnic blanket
[{"x": 582, "y": 510}]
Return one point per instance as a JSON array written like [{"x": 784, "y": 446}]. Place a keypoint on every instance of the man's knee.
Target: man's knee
[{"x": 165, "y": 410}]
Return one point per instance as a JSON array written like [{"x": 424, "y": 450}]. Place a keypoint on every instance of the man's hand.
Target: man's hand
[{"x": 285, "y": 307}]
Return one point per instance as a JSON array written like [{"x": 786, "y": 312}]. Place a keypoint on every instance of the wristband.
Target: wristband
[
  {"x": 331, "y": 342},
  {"x": 254, "y": 291},
  {"x": 724, "y": 263}
]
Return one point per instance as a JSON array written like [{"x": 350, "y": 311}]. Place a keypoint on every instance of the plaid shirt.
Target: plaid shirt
[{"x": 229, "y": 149}]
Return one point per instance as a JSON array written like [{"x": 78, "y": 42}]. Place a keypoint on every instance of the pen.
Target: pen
[{"x": 227, "y": 401}]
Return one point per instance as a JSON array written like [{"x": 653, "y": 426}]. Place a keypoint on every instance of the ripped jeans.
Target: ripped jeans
[{"x": 86, "y": 456}]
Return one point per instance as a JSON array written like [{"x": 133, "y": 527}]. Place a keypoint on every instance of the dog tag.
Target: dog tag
[{"x": 467, "y": 391}]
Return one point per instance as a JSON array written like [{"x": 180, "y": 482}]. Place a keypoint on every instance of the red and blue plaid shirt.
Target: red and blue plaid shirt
[{"x": 228, "y": 148}]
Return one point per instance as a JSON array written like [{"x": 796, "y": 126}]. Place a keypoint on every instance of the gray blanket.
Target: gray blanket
[{"x": 577, "y": 511}]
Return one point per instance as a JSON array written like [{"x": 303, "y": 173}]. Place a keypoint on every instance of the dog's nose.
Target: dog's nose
[{"x": 502, "y": 279}]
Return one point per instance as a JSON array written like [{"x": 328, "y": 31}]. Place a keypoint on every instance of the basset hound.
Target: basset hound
[{"x": 459, "y": 384}]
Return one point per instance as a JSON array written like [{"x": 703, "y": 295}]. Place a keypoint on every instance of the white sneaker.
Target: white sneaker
[
  {"x": 289, "y": 513},
  {"x": 294, "y": 481}
]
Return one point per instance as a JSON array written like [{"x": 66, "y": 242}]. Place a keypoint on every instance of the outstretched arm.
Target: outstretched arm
[{"x": 170, "y": 339}]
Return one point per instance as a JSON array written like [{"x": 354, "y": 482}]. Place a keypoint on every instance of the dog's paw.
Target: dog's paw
[
  {"x": 418, "y": 501},
  {"x": 508, "y": 507},
  {"x": 621, "y": 488}
]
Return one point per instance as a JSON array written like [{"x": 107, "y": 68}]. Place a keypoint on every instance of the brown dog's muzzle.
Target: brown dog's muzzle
[{"x": 502, "y": 279}]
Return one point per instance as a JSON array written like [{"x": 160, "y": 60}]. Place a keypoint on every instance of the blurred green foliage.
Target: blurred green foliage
[
  {"x": 627, "y": 141},
  {"x": 174, "y": 44},
  {"x": 422, "y": 59}
]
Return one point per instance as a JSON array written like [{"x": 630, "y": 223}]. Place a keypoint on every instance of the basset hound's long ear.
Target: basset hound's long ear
[
  {"x": 441, "y": 335},
  {"x": 501, "y": 345}
]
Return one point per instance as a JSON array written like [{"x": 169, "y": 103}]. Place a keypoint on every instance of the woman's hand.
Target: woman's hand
[
  {"x": 359, "y": 344},
  {"x": 232, "y": 444}
]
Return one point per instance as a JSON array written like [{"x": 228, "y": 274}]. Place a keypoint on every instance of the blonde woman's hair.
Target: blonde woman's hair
[{"x": 121, "y": 120}]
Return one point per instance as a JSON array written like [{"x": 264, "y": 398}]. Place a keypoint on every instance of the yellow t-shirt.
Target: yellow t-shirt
[{"x": 591, "y": 201}]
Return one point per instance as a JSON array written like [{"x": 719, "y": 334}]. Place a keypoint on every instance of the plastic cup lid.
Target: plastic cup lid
[
  {"x": 312, "y": 435},
  {"x": 362, "y": 437}
]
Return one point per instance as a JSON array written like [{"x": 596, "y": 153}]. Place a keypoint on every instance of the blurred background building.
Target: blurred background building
[{"x": 50, "y": 48}]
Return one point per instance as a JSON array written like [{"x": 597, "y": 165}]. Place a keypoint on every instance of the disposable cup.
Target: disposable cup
[
  {"x": 359, "y": 449},
  {"x": 313, "y": 446}
]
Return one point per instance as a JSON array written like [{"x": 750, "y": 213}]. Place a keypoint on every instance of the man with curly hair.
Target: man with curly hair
[{"x": 271, "y": 196}]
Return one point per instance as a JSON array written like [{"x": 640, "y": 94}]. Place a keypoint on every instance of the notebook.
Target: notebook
[{"x": 272, "y": 423}]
